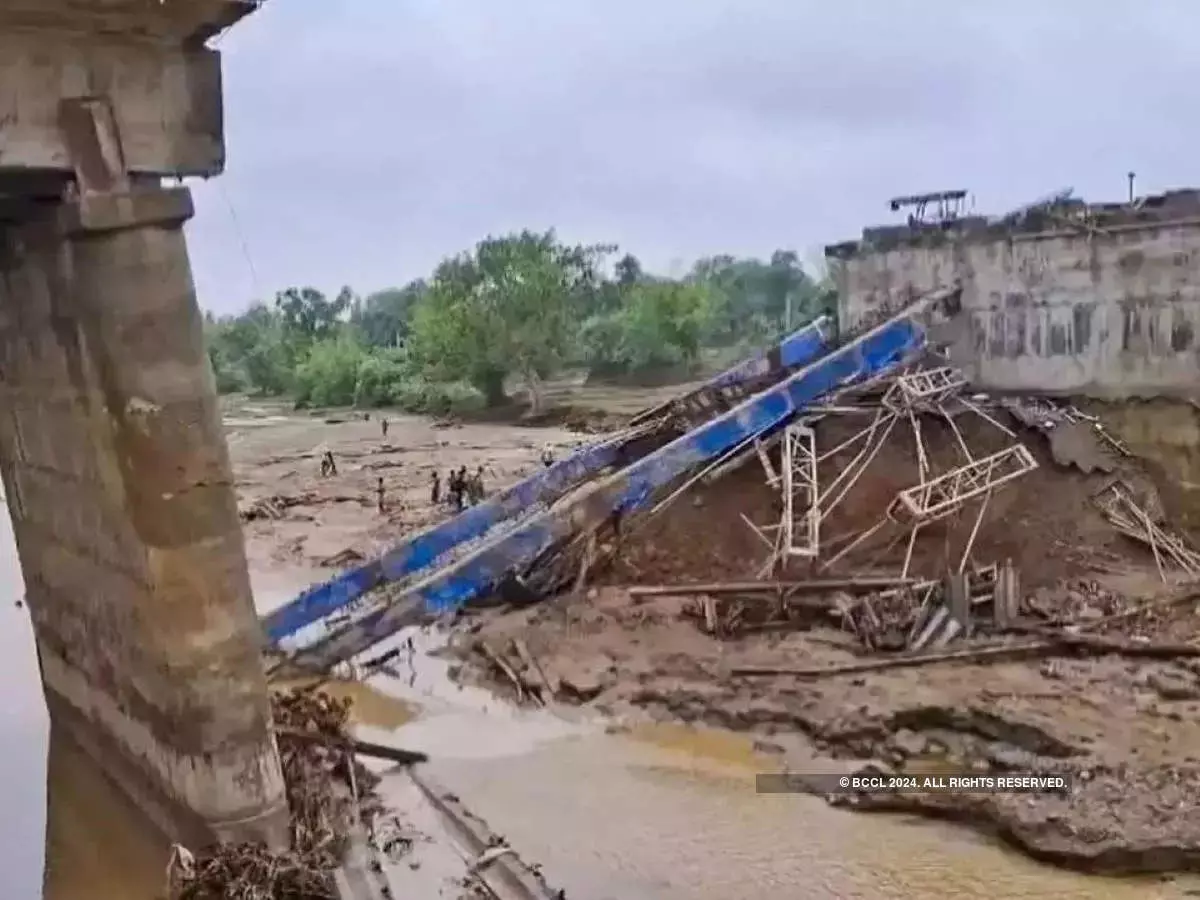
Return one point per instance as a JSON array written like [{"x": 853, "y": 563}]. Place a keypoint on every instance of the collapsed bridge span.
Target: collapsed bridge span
[
  {"x": 438, "y": 545},
  {"x": 516, "y": 550}
]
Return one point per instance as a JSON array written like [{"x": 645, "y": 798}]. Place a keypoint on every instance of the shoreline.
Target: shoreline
[
  {"x": 619, "y": 655},
  {"x": 1121, "y": 818}
]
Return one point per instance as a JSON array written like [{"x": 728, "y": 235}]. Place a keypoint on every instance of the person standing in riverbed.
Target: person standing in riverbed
[
  {"x": 328, "y": 466},
  {"x": 383, "y": 425},
  {"x": 475, "y": 487},
  {"x": 464, "y": 485},
  {"x": 379, "y": 495},
  {"x": 435, "y": 489}
]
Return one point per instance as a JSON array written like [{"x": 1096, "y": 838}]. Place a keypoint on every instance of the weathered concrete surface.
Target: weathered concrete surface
[
  {"x": 119, "y": 485},
  {"x": 147, "y": 58},
  {"x": 1112, "y": 312}
]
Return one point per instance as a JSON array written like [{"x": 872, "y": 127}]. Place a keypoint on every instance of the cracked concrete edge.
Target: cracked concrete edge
[{"x": 507, "y": 877}]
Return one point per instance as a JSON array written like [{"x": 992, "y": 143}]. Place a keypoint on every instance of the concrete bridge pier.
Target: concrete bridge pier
[{"x": 112, "y": 453}]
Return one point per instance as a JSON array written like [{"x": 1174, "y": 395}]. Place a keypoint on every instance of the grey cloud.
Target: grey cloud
[{"x": 367, "y": 140}]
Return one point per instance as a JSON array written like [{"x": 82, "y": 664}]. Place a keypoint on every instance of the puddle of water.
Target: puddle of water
[
  {"x": 703, "y": 748},
  {"x": 371, "y": 707},
  {"x": 669, "y": 812}
]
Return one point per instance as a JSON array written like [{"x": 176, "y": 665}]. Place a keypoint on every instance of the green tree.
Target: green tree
[
  {"x": 521, "y": 305},
  {"x": 628, "y": 270},
  {"x": 384, "y": 315},
  {"x": 511, "y": 307},
  {"x": 756, "y": 300},
  {"x": 248, "y": 352},
  {"x": 329, "y": 374},
  {"x": 662, "y": 323},
  {"x": 308, "y": 315}
]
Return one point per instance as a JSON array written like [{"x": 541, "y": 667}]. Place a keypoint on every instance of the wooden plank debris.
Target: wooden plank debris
[
  {"x": 812, "y": 586},
  {"x": 1066, "y": 644},
  {"x": 362, "y": 748}
]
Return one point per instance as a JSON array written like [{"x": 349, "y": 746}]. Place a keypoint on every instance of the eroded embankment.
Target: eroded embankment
[
  {"x": 1124, "y": 729},
  {"x": 1122, "y": 725}
]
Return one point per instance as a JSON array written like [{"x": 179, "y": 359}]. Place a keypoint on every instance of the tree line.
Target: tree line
[{"x": 514, "y": 311}]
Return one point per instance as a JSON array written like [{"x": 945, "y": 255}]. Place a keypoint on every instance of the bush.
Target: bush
[
  {"x": 437, "y": 398},
  {"x": 391, "y": 378},
  {"x": 379, "y": 378},
  {"x": 329, "y": 376}
]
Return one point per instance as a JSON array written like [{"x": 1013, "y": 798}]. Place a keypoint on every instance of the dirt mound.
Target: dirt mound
[
  {"x": 580, "y": 419},
  {"x": 1045, "y": 521}
]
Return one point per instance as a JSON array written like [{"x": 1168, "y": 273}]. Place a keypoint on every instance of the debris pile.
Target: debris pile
[
  {"x": 326, "y": 787},
  {"x": 275, "y": 506},
  {"x": 1169, "y": 549},
  {"x": 909, "y": 542},
  {"x": 910, "y": 526}
]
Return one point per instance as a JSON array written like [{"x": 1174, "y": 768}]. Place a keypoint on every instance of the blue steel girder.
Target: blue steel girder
[
  {"x": 424, "y": 549},
  {"x": 797, "y": 349},
  {"x": 873, "y": 353},
  {"x": 427, "y": 547}
]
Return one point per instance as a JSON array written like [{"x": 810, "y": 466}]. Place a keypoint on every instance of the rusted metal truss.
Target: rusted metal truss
[
  {"x": 948, "y": 493},
  {"x": 801, "y": 512},
  {"x": 1169, "y": 549},
  {"x": 905, "y": 397},
  {"x": 924, "y": 390}
]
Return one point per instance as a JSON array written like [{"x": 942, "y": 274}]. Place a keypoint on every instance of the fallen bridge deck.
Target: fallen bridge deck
[
  {"x": 443, "y": 543},
  {"x": 859, "y": 358}
]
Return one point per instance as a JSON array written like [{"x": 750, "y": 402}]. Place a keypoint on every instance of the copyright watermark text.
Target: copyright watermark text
[{"x": 874, "y": 783}]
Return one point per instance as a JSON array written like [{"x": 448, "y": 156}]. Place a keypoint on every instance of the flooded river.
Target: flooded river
[{"x": 663, "y": 813}]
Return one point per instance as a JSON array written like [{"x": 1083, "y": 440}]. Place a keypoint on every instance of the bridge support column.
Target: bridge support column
[{"x": 121, "y": 493}]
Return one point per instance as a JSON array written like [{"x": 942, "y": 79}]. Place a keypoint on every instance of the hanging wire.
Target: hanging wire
[{"x": 241, "y": 235}]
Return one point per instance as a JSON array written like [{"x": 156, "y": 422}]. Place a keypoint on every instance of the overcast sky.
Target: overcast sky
[{"x": 368, "y": 139}]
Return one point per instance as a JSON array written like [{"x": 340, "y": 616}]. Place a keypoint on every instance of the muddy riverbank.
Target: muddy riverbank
[
  {"x": 644, "y": 660},
  {"x": 1126, "y": 730},
  {"x": 1124, "y": 725},
  {"x": 294, "y": 519},
  {"x": 660, "y": 811}
]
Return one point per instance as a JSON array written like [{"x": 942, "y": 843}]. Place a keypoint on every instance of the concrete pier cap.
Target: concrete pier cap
[
  {"x": 112, "y": 453},
  {"x": 148, "y": 57}
]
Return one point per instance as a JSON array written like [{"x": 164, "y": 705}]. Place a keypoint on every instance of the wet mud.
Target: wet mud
[
  {"x": 1124, "y": 728},
  {"x": 1125, "y": 731},
  {"x": 644, "y": 663}
]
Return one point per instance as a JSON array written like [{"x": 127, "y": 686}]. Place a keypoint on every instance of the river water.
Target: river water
[{"x": 663, "y": 813}]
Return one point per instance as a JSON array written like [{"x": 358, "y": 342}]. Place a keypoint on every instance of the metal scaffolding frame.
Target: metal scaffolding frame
[
  {"x": 1170, "y": 550},
  {"x": 905, "y": 397},
  {"x": 801, "y": 512}
]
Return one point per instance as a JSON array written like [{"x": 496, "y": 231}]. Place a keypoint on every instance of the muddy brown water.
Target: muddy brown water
[{"x": 662, "y": 813}]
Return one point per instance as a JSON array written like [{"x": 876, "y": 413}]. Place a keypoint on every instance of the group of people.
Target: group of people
[{"x": 462, "y": 489}]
